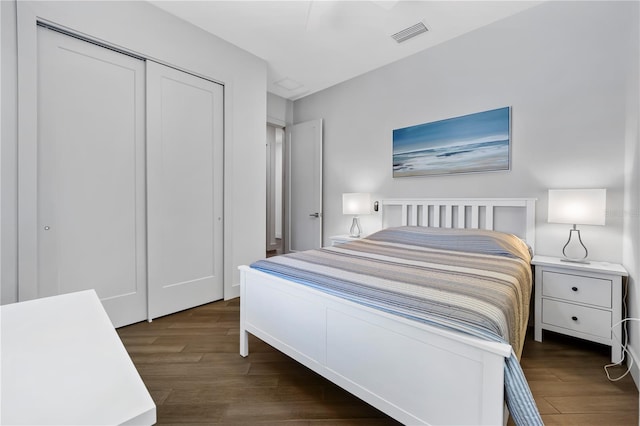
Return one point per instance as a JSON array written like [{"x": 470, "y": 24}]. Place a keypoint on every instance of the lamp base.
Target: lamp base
[
  {"x": 355, "y": 230},
  {"x": 577, "y": 246},
  {"x": 583, "y": 261}
]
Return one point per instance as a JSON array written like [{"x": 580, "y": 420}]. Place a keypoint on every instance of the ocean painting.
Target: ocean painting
[{"x": 471, "y": 143}]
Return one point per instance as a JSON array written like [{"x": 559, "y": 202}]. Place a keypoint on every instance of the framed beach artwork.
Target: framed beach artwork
[{"x": 473, "y": 143}]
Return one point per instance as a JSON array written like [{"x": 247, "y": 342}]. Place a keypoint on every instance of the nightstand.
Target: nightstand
[
  {"x": 341, "y": 239},
  {"x": 579, "y": 300}
]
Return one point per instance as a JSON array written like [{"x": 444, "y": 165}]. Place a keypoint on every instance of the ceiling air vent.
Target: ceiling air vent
[{"x": 409, "y": 32}]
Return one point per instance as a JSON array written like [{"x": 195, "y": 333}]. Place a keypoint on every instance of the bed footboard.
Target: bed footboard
[{"x": 415, "y": 373}]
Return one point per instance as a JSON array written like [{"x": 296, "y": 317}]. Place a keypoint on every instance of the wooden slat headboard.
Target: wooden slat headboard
[{"x": 478, "y": 213}]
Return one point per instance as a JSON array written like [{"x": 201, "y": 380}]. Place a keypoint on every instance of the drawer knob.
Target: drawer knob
[
  {"x": 574, "y": 288},
  {"x": 574, "y": 318}
]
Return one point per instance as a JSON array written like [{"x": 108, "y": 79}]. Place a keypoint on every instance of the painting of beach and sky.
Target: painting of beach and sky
[{"x": 477, "y": 142}]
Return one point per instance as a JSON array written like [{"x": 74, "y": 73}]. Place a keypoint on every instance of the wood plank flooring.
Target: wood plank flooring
[
  {"x": 189, "y": 361},
  {"x": 569, "y": 384}
]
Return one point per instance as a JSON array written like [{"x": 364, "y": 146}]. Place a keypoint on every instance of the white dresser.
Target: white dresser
[
  {"x": 64, "y": 364},
  {"x": 580, "y": 300}
]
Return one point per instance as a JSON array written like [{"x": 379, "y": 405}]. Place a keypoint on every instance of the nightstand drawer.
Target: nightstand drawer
[
  {"x": 577, "y": 288},
  {"x": 578, "y": 318}
]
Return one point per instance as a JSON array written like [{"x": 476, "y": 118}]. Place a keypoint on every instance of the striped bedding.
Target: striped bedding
[{"x": 474, "y": 281}]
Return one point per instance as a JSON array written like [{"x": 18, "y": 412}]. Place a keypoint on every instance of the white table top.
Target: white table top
[
  {"x": 594, "y": 266},
  {"x": 62, "y": 362}
]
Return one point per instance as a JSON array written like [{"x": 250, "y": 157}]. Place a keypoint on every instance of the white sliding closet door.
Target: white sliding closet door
[
  {"x": 184, "y": 193},
  {"x": 88, "y": 231}
]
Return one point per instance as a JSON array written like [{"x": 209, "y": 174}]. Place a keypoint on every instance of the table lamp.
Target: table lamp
[
  {"x": 577, "y": 207},
  {"x": 356, "y": 204}
]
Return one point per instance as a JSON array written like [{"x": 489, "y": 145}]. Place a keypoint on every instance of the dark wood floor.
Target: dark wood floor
[
  {"x": 277, "y": 249},
  {"x": 189, "y": 362}
]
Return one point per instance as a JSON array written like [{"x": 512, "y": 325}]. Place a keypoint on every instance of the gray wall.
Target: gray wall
[
  {"x": 279, "y": 110},
  {"x": 564, "y": 80},
  {"x": 568, "y": 70},
  {"x": 143, "y": 28},
  {"x": 8, "y": 154}
]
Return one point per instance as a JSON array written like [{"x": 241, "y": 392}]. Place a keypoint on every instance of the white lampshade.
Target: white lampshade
[
  {"x": 577, "y": 206},
  {"x": 356, "y": 203}
]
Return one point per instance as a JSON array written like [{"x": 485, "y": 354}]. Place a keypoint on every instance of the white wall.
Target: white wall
[
  {"x": 568, "y": 70},
  {"x": 631, "y": 234},
  {"x": 142, "y": 28}
]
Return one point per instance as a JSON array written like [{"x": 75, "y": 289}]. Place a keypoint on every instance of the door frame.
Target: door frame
[
  {"x": 272, "y": 185},
  {"x": 27, "y": 161}
]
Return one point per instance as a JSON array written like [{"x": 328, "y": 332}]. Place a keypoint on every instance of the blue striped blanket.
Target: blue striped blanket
[{"x": 474, "y": 281}]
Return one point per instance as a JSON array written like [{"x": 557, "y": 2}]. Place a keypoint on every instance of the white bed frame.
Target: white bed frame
[{"x": 416, "y": 373}]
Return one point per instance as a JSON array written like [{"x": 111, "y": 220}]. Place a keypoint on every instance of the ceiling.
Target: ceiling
[{"x": 312, "y": 45}]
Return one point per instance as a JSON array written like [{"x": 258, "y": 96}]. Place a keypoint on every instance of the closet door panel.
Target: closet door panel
[
  {"x": 185, "y": 163},
  {"x": 91, "y": 173}
]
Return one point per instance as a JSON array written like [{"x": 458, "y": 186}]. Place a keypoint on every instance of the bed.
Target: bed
[{"x": 415, "y": 368}]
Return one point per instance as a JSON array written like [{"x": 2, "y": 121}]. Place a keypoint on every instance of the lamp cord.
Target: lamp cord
[{"x": 625, "y": 351}]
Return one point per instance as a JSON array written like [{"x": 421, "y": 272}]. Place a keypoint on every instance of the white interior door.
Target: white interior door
[
  {"x": 184, "y": 189},
  {"x": 305, "y": 185},
  {"x": 90, "y": 224}
]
